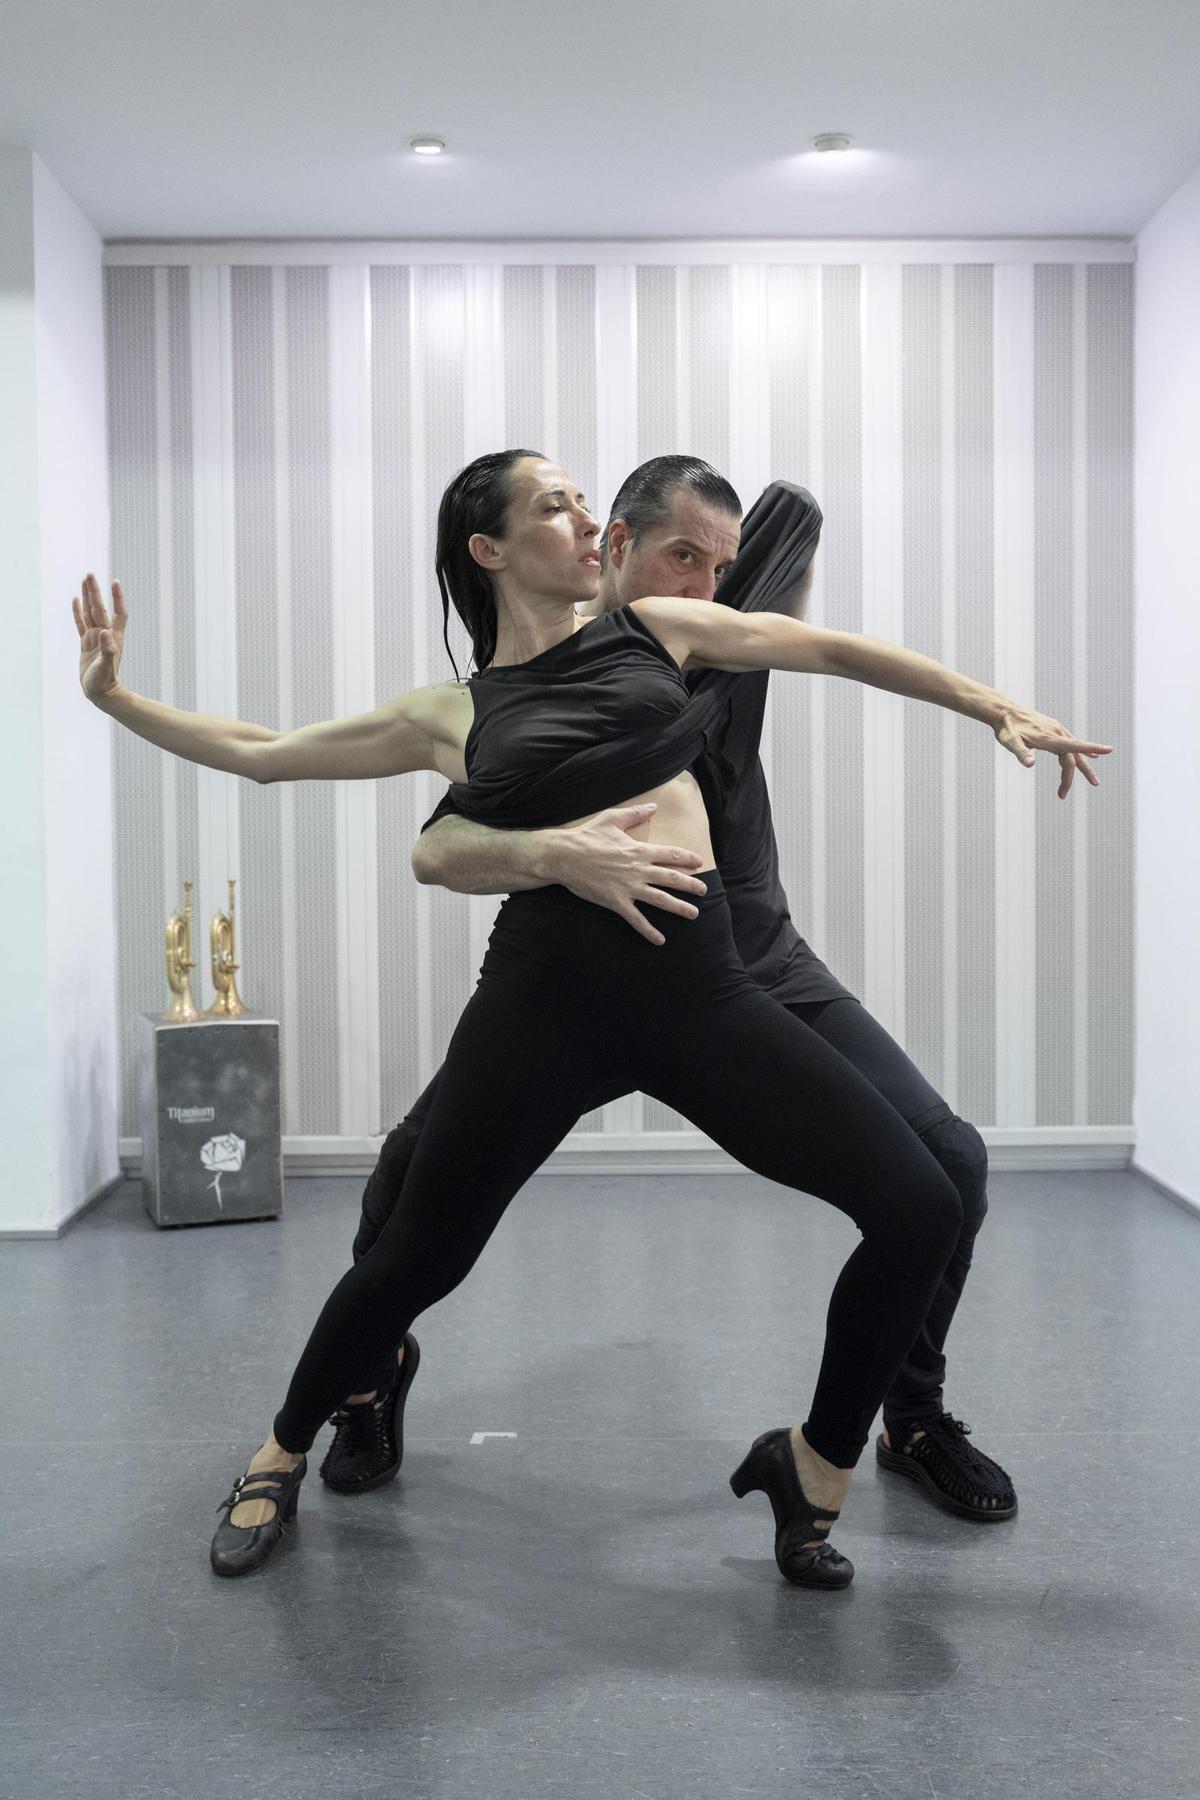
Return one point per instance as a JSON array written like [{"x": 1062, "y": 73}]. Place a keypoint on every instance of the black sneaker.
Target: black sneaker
[
  {"x": 368, "y": 1438},
  {"x": 955, "y": 1475}
]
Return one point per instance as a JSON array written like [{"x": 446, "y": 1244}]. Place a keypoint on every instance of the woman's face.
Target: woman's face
[{"x": 550, "y": 546}]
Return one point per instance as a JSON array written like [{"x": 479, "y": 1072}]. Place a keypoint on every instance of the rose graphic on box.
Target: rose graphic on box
[{"x": 224, "y": 1155}]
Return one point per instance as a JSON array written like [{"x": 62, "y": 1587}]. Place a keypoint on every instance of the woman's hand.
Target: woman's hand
[
  {"x": 101, "y": 639},
  {"x": 1021, "y": 730}
]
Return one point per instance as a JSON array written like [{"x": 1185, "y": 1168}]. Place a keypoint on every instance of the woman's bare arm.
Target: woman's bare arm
[
  {"x": 403, "y": 734},
  {"x": 205, "y": 738},
  {"x": 413, "y": 731},
  {"x": 700, "y": 635}
]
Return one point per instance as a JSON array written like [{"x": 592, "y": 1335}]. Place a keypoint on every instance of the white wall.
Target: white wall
[
  {"x": 58, "y": 1049},
  {"x": 1168, "y": 693}
]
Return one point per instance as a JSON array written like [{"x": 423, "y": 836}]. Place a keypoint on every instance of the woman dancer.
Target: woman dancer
[{"x": 563, "y": 719}]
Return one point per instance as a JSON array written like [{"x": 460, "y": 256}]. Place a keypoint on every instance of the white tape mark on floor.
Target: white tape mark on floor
[{"x": 477, "y": 1437}]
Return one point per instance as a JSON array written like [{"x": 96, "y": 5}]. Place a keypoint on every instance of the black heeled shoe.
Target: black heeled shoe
[
  {"x": 368, "y": 1438},
  {"x": 237, "y": 1549},
  {"x": 771, "y": 1468}
]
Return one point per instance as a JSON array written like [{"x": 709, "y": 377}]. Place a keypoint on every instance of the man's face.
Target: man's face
[{"x": 684, "y": 558}]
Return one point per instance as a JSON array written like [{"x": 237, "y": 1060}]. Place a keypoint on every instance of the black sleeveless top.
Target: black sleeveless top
[
  {"x": 601, "y": 715},
  {"x": 779, "y": 537},
  {"x": 539, "y": 755}
]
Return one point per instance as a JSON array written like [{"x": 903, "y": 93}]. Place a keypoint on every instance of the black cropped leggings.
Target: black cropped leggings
[{"x": 570, "y": 1000}]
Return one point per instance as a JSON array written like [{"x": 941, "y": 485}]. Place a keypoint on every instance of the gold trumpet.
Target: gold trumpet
[
  {"x": 180, "y": 963},
  {"x": 228, "y": 1003}
]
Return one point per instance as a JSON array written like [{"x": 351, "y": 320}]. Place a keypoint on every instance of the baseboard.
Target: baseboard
[
  {"x": 1185, "y": 1200},
  {"x": 85, "y": 1206},
  {"x": 1047, "y": 1148}
]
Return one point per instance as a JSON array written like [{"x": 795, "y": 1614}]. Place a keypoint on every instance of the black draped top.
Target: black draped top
[
  {"x": 606, "y": 713},
  {"x": 602, "y": 714}
]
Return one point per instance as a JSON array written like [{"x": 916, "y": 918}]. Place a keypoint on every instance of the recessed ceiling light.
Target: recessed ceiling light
[
  {"x": 427, "y": 146},
  {"x": 831, "y": 140}
]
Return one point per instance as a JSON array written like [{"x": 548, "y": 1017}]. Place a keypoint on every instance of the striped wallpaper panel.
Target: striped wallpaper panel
[{"x": 280, "y": 436}]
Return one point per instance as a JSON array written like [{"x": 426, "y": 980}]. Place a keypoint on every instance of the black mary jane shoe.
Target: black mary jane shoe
[
  {"x": 771, "y": 1468},
  {"x": 368, "y": 1437},
  {"x": 956, "y": 1476},
  {"x": 237, "y": 1549}
]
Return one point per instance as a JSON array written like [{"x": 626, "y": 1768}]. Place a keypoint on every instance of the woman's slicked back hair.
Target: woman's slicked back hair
[{"x": 476, "y": 500}]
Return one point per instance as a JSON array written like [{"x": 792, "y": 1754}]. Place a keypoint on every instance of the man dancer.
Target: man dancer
[{"x": 674, "y": 530}]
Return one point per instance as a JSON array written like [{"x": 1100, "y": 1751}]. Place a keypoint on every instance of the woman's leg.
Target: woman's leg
[
  {"x": 790, "y": 1107},
  {"x": 517, "y": 1075},
  {"x": 957, "y": 1475},
  {"x": 916, "y": 1392}
]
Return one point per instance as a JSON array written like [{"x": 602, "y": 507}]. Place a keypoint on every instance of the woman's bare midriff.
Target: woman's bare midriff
[{"x": 681, "y": 817}]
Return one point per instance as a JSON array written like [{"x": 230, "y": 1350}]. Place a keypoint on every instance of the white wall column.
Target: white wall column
[
  {"x": 58, "y": 1063},
  {"x": 1167, "y": 361}
]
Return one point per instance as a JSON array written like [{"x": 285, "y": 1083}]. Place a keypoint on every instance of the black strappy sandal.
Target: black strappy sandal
[
  {"x": 368, "y": 1438},
  {"x": 770, "y": 1467},
  {"x": 237, "y": 1549}
]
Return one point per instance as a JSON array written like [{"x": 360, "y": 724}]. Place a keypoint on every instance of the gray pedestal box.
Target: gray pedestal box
[{"x": 209, "y": 1101}]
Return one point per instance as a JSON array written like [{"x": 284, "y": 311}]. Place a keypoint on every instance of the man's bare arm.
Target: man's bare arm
[
  {"x": 470, "y": 858},
  {"x": 597, "y": 860}
]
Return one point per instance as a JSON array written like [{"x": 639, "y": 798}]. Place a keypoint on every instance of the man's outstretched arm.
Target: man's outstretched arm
[{"x": 598, "y": 860}]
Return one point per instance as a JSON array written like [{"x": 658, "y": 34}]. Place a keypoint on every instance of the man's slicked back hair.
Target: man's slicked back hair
[{"x": 646, "y": 497}]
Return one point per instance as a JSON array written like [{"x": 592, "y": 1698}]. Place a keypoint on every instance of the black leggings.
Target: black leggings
[
  {"x": 915, "y": 1395},
  {"x": 569, "y": 1001}
]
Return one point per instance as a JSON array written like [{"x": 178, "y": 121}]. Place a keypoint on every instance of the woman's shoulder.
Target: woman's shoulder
[{"x": 444, "y": 710}]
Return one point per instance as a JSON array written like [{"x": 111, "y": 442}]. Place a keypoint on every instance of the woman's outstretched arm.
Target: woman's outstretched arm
[
  {"x": 404, "y": 734},
  {"x": 699, "y": 636}
]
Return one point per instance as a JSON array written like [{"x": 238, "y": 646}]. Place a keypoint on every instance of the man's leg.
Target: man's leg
[
  {"x": 913, "y": 1407},
  {"x": 368, "y": 1439},
  {"x": 520, "y": 1067},
  {"x": 387, "y": 1177},
  {"x": 386, "y": 1180},
  {"x": 379, "y": 1197},
  {"x": 368, "y": 1428}
]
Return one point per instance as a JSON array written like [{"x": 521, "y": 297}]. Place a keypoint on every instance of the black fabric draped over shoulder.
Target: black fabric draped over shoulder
[{"x": 606, "y": 713}]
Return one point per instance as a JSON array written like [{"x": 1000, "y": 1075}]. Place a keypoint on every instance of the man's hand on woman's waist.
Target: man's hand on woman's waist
[
  {"x": 601, "y": 862},
  {"x": 598, "y": 860}
]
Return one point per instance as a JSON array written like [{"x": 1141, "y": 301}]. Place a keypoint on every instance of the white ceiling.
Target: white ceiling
[{"x": 625, "y": 118}]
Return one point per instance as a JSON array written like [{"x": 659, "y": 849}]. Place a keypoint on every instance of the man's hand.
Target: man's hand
[{"x": 602, "y": 863}]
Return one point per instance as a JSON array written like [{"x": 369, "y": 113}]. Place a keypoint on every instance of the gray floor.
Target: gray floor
[{"x": 585, "y": 1609}]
